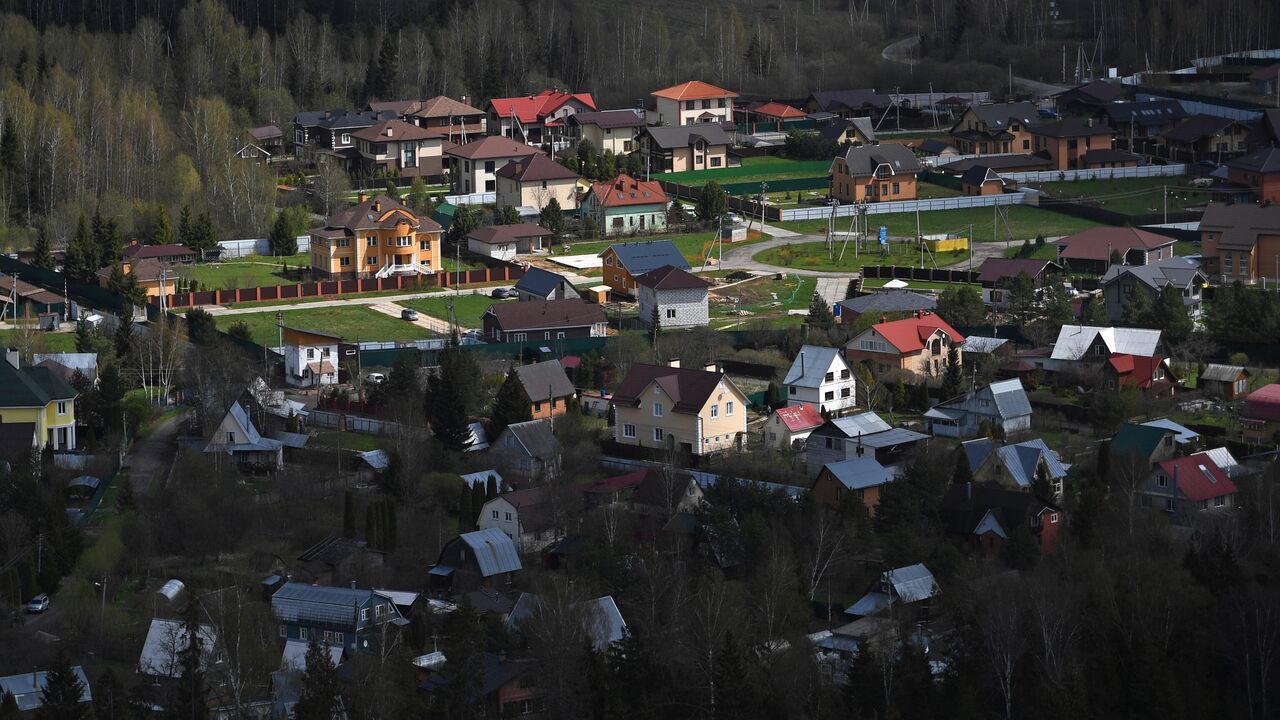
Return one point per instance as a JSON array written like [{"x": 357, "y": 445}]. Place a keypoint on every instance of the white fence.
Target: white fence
[
  {"x": 934, "y": 161},
  {"x": 952, "y": 203},
  {"x": 487, "y": 198},
  {"x": 257, "y": 246},
  {"x": 1142, "y": 171}
]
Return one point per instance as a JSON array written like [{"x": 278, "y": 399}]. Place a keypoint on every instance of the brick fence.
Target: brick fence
[{"x": 338, "y": 288}]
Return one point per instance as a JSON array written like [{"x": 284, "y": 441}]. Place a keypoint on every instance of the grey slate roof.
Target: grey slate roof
[
  {"x": 1021, "y": 460},
  {"x": 31, "y": 386},
  {"x": 1177, "y": 271},
  {"x": 997, "y": 115},
  {"x": 537, "y": 281},
  {"x": 863, "y": 161},
  {"x": 1266, "y": 160},
  {"x": 300, "y": 602},
  {"x": 1010, "y": 399},
  {"x": 495, "y": 552},
  {"x": 978, "y": 174},
  {"x": 670, "y": 137},
  {"x": 1240, "y": 223},
  {"x": 837, "y": 127},
  {"x": 890, "y": 301},
  {"x": 810, "y": 366},
  {"x": 536, "y": 438},
  {"x": 27, "y": 688},
  {"x": 544, "y": 380},
  {"x": 1197, "y": 127},
  {"x": 1221, "y": 373},
  {"x": 859, "y": 472},
  {"x": 641, "y": 257},
  {"x": 1144, "y": 112}
]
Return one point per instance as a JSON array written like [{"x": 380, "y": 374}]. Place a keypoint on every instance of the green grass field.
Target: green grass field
[
  {"x": 814, "y": 256},
  {"x": 468, "y": 308},
  {"x": 1131, "y": 196},
  {"x": 1024, "y": 222},
  {"x": 43, "y": 341},
  {"x": 351, "y": 323},
  {"x": 1048, "y": 251},
  {"x": 693, "y": 246},
  {"x": 252, "y": 271},
  {"x": 756, "y": 169}
]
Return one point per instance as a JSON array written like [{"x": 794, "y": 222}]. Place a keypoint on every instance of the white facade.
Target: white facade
[
  {"x": 498, "y": 251},
  {"x": 779, "y": 437},
  {"x": 502, "y": 515},
  {"x": 311, "y": 365},
  {"x": 677, "y": 308},
  {"x": 821, "y": 377},
  {"x": 692, "y": 112},
  {"x": 478, "y": 176}
]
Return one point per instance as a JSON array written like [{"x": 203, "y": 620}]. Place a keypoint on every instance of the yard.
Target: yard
[
  {"x": 251, "y": 271},
  {"x": 693, "y": 246},
  {"x": 1024, "y": 222},
  {"x": 815, "y": 256},
  {"x": 753, "y": 169},
  {"x": 1131, "y": 196},
  {"x": 42, "y": 341},
  {"x": 766, "y": 300},
  {"x": 877, "y": 283},
  {"x": 350, "y": 323},
  {"x": 468, "y": 308}
]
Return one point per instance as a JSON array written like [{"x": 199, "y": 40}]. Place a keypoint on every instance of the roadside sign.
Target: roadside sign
[{"x": 884, "y": 235}]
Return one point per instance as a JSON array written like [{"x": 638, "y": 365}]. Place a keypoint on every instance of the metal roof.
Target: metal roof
[
  {"x": 167, "y": 638},
  {"x": 892, "y": 301},
  {"x": 977, "y": 344},
  {"x": 641, "y": 257},
  {"x": 859, "y": 472},
  {"x": 811, "y": 365},
  {"x": 861, "y": 424},
  {"x": 977, "y": 451},
  {"x": 1177, "y": 271},
  {"x": 1184, "y": 434},
  {"x": 544, "y": 381},
  {"x": 495, "y": 552},
  {"x": 376, "y": 459},
  {"x": 299, "y": 602},
  {"x": 1009, "y": 397},
  {"x": 536, "y": 438},
  {"x": 1074, "y": 340},
  {"x": 1221, "y": 373},
  {"x": 85, "y": 481},
  {"x": 294, "y": 656},
  {"x": 870, "y": 604},
  {"x": 912, "y": 583},
  {"x": 482, "y": 477},
  {"x": 604, "y": 620},
  {"x": 27, "y": 688},
  {"x": 1022, "y": 460},
  {"x": 542, "y": 283}
]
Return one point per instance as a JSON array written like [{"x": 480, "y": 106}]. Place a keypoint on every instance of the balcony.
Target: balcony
[{"x": 404, "y": 269}]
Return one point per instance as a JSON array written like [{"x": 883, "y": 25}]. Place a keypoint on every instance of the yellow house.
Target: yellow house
[
  {"x": 534, "y": 181},
  {"x": 36, "y": 408},
  {"x": 377, "y": 237},
  {"x": 666, "y": 406},
  {"x": 151, "y": 275}
]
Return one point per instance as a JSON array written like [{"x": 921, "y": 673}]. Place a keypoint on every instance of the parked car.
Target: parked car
[
  {"x": 38, "y": 604},
  {"x": 502, "y": 293},
  {"x": 735, "y": 218},
  {"x": 375, "y": 377},
  {"x": 409, "y": 314}
]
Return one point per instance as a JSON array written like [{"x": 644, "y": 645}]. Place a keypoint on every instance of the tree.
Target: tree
[
  {"x": 820, "y": 316},
  {"x": 320, "y": 694},
  {"x": 962, "y": 307},
  {"x": 1138, "y": 311},
  {"x": 809, "y": 145},
  {"x": 240, "y": 330},
  {"x": 951, "y": 376},
  {"x": 1171, "y": 316},
  {"x": 464, "y": 221},
  {"x": 162, "y": 232},
  {"x": 186, "y": 227},
  {"x": 109, "y": 242},
  {"x": 386, "y": 71},
  {"x": 962, "y": 474},
  {"x": 713, "y": 204},
  {"x": 1116, "y": 258},
  {"x": 506, "y": 215},
  {"x": 675, "y": 213},
  {"x": 282, "y": 240},
  {"x": 552, "y": 217},
  {"x": 348, "y": 514},
  {"x": 1095, "y": 312},
  {"x": 191, "y": 698},
  {"x": 510, "y": 406},
  {"x": 202, "y": 328},
  {"x": 124, "y": 340},
  {"x": 82, "y": 254},
  {"x": 491, "y": 489},
  {"x": 110, "y": 701},
  {"x": 41, "y": 253},
  {"x": 418, "y": 193},
  {"x": 60, "y": 698},
  {"x": 466, "y": 514},
  {"x": 446, "y": 405},
  {"x": 1022, "y": 298},
  {"x": 1041, "y": 485},
  {"x": 8, "y": 704}
]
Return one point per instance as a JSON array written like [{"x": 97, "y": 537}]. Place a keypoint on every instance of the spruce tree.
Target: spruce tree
[
  {"x": 491, "y": 489},
  {"x": 9, "y": 704},
  {"x": 552, "y": 216},
  {"x": 320, "y": 694},
  {"x": 110, "y": 244},
  {"x": 82, "y": 254},
  {"x": 162, "y": 233},
  {"x": 41, "y": 252},
  {"x": 385, "y": 79},
  {"x": 477, "y": 502},
  {"x": 820, "y": 316},
  {"x": 191, "y": 698},
  {"x": 124, "y": 340},
  {"x": 372, "y": 529},
  {"x": 110, "y": 701},
  {"x": 951, "y": 377},
  {"x": 204, "y": 236},
  {"x": 348, "y": 514},
  {"x": 466, "y": 517},
  {"x": 961, "y": 474},
  {"x": 60, "y": 698},
  {"x": 510, "y": 406},
  {"x": 282, "y": 240},
  {"x": 186, "y": 227}
]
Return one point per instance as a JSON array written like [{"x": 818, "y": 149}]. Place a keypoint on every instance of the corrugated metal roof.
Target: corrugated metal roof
[
  {"x": 294, "y": 656},
  {"x": 870, "y": 604},
  {"x": 641, "y": 257},
  {"x": 912, "y": 583},
  {"x": 977, "y": 451},
  {"x": 482, "y": 477},
  {"x": 495, "y": 552},
  {"x": 1074, "y": 340},
  {"x": 165, "y": 639},
  {"x": 811, "y": 365},
  {"x": 859, "y": 472},
  {"x": 1022, "y": 461},
  {"x": 976, "y": 344},
  {"x": 1221, "y": 373},
  {"x": 299, "y": 602},
  {"x": 1010, "y": 399},
  {"x": 376, "y": 459},
  {"x": 1185, "y": 434},
  {"x": 604, "y": 620},
  {"x": 863, "y": 423},
  {"x": 27, "y": 688}
]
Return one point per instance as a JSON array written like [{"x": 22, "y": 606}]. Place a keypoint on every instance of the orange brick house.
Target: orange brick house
[
  {"x": 1076, "y": 144},
  {"x": 377, "y": 237},
  {"x": 994, "y": 128},
  {"x": 1240, "y": 242},
  {"x": 1260, "y": 172},
  {"x": 916, "y": 346},
  {"x": 874, "y": 173},
  {"x": 547, "y": 387}
]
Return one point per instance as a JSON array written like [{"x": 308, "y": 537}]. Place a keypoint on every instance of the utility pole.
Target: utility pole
[
  {"x": 969, "y": 242},
  {"x": 1165, "y": 188}
]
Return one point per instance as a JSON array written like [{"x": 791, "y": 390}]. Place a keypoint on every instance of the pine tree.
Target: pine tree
[
  {"x": 464, "y": 221},
  {"x": 386, "y": 80},
  {"x": 282, "y": 240},
  {"x": 951, "y": 377},
  {"x": 348, "y": 514},
  {"x": 186, "y": 228},
  {"x": 60, "y": 698},
  {"x": 450, "y": 396},
  {"x": 466, "y": 516},
  {"x": 1095, "y": 312},
  {"x": 491, "y": 489},
  {"x": 110, "y": 244},
  {"x": 477, "y": 500},
  {"x": 319, "y": 697},
  {"x": 961, "y": 474},
  {"x": 510, "y": 406},
  {"x": 1041, "y": 485},
  {"x": 655, "y": 325},
  {"x": 204, "y": 236},
  {"x": 552, "y": 216},
  {"x": 9, "y": 704},
  {"x": 41, "y": 253},
  {"x": 713, "y": 204},
  {"x": 820, "y": 316},
  {"x": 162, "y": 233},
  {"x": 82, "y": 254},
  {"x": 1137, "y": 310},
  {"x": 191, "y": 701}
]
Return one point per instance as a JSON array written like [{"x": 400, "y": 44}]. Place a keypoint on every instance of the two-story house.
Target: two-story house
[
  {"x": 537, "y": 119},
  {"x": 454, "y": 120},
  {"x": 350, "y": 617},
  {"x": 624, "y": 262},
  {"x": 1260, "y": 415},
  {"x": 917, "y": 346},
  {"x": 691, "y": 103},
  {"x": 626, "y": 205},
  {"x": 237, "y": 438},
  {"x": 874, "y": 173},
  {"x": 473, "y": 167},
  {"x": 534, "y": 181},
  {"x": 848, "y": 104},
  {"x": 483, "y": 558},
  {"x": 37, "y": 408},
  {"x": 1241, "y": 242},
  {"x": 607, "y": 130},
  {"x": 1001, "y": 405},
  {"x": 1087, "y": 348},
  {"x": 548, "y": 320},
  {"x": 983, "y": 517},
  {"x": 310, "y": 357},
  {"x": 1204, "y": 137},
  {"x": 376, "y": 237},
  {"x": 1140, "y": 123},
  {"x": 331, "y": 133},
  {"x": 703, "y": 146},
  {"x": 1093, "y": 250},
  {"x": 673, "y": 298},
  {"x": 1075, "y": 144},
  {"x": 859, "y": 478},
  {"x": 1260, "y": 172},
  {"x": 854, "y": 436},
  {"x": 1122, "y": 281},
  {"x": 396, "y": 148},
  {"x": 692, "y": 410},
  {"x": 1190, "y": 484},
  {"x": 994, "y": 128},
  {"x": 822, "y": 378},
  {"x": 997, "y": 274},
  {"x": 526, "y": 516},
  {"x": 1015, "y": 466}
]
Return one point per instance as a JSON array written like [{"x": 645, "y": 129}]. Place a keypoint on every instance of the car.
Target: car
[
  {"x": 409, "y": 314},
  {"x": 38, "y": 604},
  {"x": 1208, "y": 164},
  {"x": 502, "y": 293},
  {"x": 376, "y": 378},
  {"x": 735, "y": 218}
]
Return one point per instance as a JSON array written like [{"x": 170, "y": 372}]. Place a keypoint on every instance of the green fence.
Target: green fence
[
  {"x": 753, "y": 188},
  {"x": 940, "y": 179}
]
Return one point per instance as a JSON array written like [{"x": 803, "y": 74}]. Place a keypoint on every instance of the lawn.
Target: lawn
[
  {"x": 814, "y": 256},
  {"x": 693, "y": 246},
  {"x": 252, "y": 271},
  {"x": 1024, "y": 222},
  {"x": 42, "y": 341},
  {"x": 756, "y": 169},
  {"x": 351, "y": 323},
  {"x": 468, "y": 308},
  {"x": 1047, "y": 251},
  {"x": 1131, "y": 196}
]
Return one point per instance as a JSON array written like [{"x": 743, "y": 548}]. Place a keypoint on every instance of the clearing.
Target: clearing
[
  {"x": 754, "y": 169},
  {"x": 351, "y": 323},
  {"x": 42, "y": 341},
  {"x": 693, "y": 246}
]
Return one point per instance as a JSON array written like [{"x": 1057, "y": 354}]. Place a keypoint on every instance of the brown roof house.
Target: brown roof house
[
  {"x": 1204, "y": 137},
  {"x": 1260, "y": 172},
  {"x": 453, "y": 120},
  {"x": 397, "y": 148},
  {"x": 1240, "y": 242},
  {"x": 547, "y": 387},
  {"x": 667, "y": 407},
  {"x": 997, "y": 274},
  {"x": 874, "y": 173},
  {"x": 549, "y": 320},
  {"x": 674, "y": 297},
  {"x": 994, "y": 128},
  {"x": 534, "y": 181},
  {"x": 1075, "y": 144},
  {"x": 1092, "y": 250},
  {"x": 473, "y": 166},
  {"x": 504, "y": 242}
]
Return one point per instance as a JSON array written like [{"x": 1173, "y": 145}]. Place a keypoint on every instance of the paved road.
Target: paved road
[{"x": 150, "y": 458}]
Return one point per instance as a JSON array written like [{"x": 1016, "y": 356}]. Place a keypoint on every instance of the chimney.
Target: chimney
[
  {"x": 1090, "y": 122},
  {"x": 14, "y": 357},
  {"x": 390, "y": 132},
  {"x": 673, "y": 362},
  {"x": 802, "y": 363},
  {"x": 884, "y": 318},
  {"x": 463, "y": 99},
  {"x": 362, "y": 197},
  {"x": 377, "y": 206},
  {"x": 133, "y": 241}
]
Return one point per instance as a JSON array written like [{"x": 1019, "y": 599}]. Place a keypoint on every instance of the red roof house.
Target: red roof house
[
  {"x": 1150, "y": 374},
  {"x": 1194, "y": 482},
  {"x": 918, "y": 345},
  {"x": 1260, "y": 416},
  {"x": 537, "y": 118},
  {"x": 790, "y": 425}
]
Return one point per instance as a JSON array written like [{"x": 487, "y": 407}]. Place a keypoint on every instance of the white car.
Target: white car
[
  {"x": 375, "y": 377},
  {"x": 38, "y": 604}
]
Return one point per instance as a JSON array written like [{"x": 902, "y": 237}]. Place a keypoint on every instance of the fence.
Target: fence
[
  {"x": 55, "y": 282},
  {"x": 1142, "y": 171},
  {"x": 940, "y": 275},
  {"x": 1111, "y": 217},
  {"x": 485, "y": 198},
  {"x": 737, "y": 204},
  {"x": 337, "y": 288},
  {"x": 257, "y": 246},
  {"x": 354, "y": 423},
  {"x": 939, "y": 160},
  {"x": 904, "y": 206}
]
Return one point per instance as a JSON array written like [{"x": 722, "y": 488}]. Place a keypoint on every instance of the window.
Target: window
[
  {"x": 339, "y": 638},
  {"x": 715, "y": 162},
  {"x": 346, "y": 138},
  {"x": 1169, "y": 504},
  {"x": 231, "y": 438},
  {"x": 537, "y": 407},
  {"x": 791, "y": 389},
  {"x": 488, "y": 166},
  {"x": 728, "y": 408},
  {"x": 697, "y": 160},
  {"x": 715, "y": 410},
  {"x": 371, "y": 260},
  {"x": 658, "y": 435},
  {"x": 1162, "y": 480},
  {"x": 364, "y": 614},
  {"x": 1219, "y": 501},
  {"x": 508, "y": 517},
  {"x": 284, "y": 631},
  {"x": 520, "y": 337},
  {"x": 629, "y": 430},
  {"x": 344, "y": 242},
  {"x": 895, "y": 188},
  {"x": 62, "y": 407},
  {"x": 1026, "y": 144},
  {"x": 495, "y": 514},
  {"x": 1226, "y": 265},
  {"x": 404, "y": 241},
  {"x": 311, "y": 353},
  {"x": 657, "y": 409},
  {"x": 829, "y": 395},
  {"x": 371, "y": 241},
  {"x": 844, "y": 392},
  {"x": 424, "y": 245},
  {"x": 720, "y": 102},
  {"x": 844, "y": 374},
  {"x": 344, "y": 262},
  {"x": 671, "y": 313},
  {"x": 829, "y": 443},
  {"x": 302, "y": 633},
  {"x": 829, "y": 377}
]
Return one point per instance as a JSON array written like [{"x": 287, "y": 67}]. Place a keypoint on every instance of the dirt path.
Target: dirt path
[{"x": 149, "y": 460}]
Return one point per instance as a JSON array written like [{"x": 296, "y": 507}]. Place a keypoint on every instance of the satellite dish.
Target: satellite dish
[{"x": 172, "y": 590}]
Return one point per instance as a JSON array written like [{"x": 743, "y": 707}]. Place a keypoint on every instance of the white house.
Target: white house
[
  {"x": 821, "y": 377},
  {"x": 526, "y": 516},
  {"x": 310, "y": 357},
  {"x": 788, "y": 427},
  {"x": 237, "y": 437},
  {"x": 1003, "y": 404},
  {"x": 679, "y": 297}
]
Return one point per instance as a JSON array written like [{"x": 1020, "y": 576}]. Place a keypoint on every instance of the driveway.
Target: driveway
[{"x": 434, "y": 324}]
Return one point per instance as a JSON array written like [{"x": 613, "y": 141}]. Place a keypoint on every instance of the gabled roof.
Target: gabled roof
[
  {"x": 349, "y": 120},
  {"x": 492, "y": 147},
  {"x": 1070, "y": 128},
  {"x": 1022, "y": 461},
  {"x": 65, "y": 365},
  {"x": 536, "y": 315},
  {"x": 536, "y": 438},
  {"x": 977, "y": 451},
  {"x": 266, "y": 132},
  {"x": 810, "y": 367},
  {"x": 859, "y": 473},
  {"x": 774, "y": 109},
  {"x": 1197, "y": 127},
  {"x": 640, "y": 257},
  {"x": 544, "y": 380},
  {"x": 965, "y": 507},
  {"x": 1009, "y": 397},
  {"x": 862, "y": 161},
  {"x": 294, "y": 656},
  {"x": 607, "y": 119},
  {"x": 912, "y": 583},
  {"x": 138, "y": 251},
  {"x": 935, "y": 146},
  {"x": 166, "y": 639},
  {"x": 662, "y": 488},
  {"x": 602, "y": 618},
  {"x": 1099, "y": 90},
  {"x": 399, "y": 130},
  {"x": 978, "y": 175},
  {"x": 688, "y": 389},
  {"x": 1240, "y": 224},
  {"x": 669, "y": 137},
  {"x": 800, "y": 417},
  {"x": 495, "y": 553},
  {"x": 1099, "y": 242},
  {"x": 998, "y": 115},
  {"x": 1138, "y": 440},
  {"x": 888, "y": 301},
  {"x": 983, "y": 345},
  {"x": 693, "y": 90},
  {"x": 1198, "y": 477},
  {"x": 1266, "y": 160},
  {"x": 542, "y": 283},
  {"x": 535, "y": 108},
  {"x": 497, "y": 234},
  {"x": 535, "y": 168},
  {"x": 852, "y": 100},
  {"x": 378, "y": 211},
  {"x": 1135, "y": 370},
  {"x": 910, "y": 334},
  {"x": 1184, "y": 434},
  {"x": 1263, "y": 404},
  {"x": 28, "y": 688},
  {"x": 996, "y": 269},
  {"x": 1074, "y": 341},
  {"x": 625, "y": 190},
  {"x": 253, "y": 440},
  {"x": 1222, "y": 373},
  {"x": 670, "y": 278},
  {"x": 31, "y": 386},
  {"x": 444, "y": 106},
  {"x": 838, "y": 126},
  {"x": 1144, "y": 112},
  {"x": 1176, "y": 271}
]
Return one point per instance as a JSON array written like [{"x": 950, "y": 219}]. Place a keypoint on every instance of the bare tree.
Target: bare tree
[
  {"x": 1002, "y": 628},
  {"x": 1055, "y": 614},
  {"x": 827, "y": 539},
  {"x": 1255, "y": 637},
  {"x": 159, "y": 357}
]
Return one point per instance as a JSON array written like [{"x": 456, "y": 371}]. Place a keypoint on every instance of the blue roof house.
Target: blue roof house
[
  {"x": 623, "y": 262},
  {"x": 1003, "y": 404},
  {"x": 1016, "y": 465},
  {"x": 482, "y": 558}
]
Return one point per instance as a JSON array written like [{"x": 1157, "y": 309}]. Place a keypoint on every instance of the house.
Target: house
[
  {"x": 1186, "y": 438},
  {"x": 376, "y": 237},
  {"x": 983, "y": 517},
  {"x": 693, "y": 103},
  {"x": 1139, "y": 124},
  {"x": 886, "y": 304},
  {"x": 933, "y": 147},
  {"x": 1122, "y": 281},
  {"x": 1145, "y": 445},
  {"x": 153, "y": 277},
  {"x": 982, "y": 180},
  {"x": 328, "y": 133},
  {"x": 310, "y": 357},
  {"x": 396, "y": 148},
  {"x": 1204, "y": 137},
  {"x": 268, "y": 138},
  {"x": 547, "y": 387},
  {"x": 237, "y": 437},
  {"x": 1015, "y": 466},
  {"x": 171, "y": 254},
  {"x": 859, "y": 478},
  {"x": 335, "y": 616},
  {"x": 1092, "y": 251},
  {"x": 1189, "y": 484},
  {"x": 917, "y": 345},
  {"x": 687, "y": 147},
  {"x": 855, "y": 436},
  {"x": 504, "y": 687},
  {"x": 1260, "y": 172},
  {"x": 1090, "y": 98},
  {"x": 1015, "y": 163},
  {"x": 1088, "y": 348},
  {"x": 994, "y": 128},
  {"x": 626, "y": 205},
  {"x": 874, "y": 173},
  {"x": 1151, "y": 374},
  {"x": 534, "y": 181},
  {"x": 996, "y": 275},
  {"x": 602, "y": 621},
  {"x": 848, "y": 103},
  {"x": 768, "y": 116},
  {"x": 666, "y": 406},
  {"x": 473, "y": 167},
  {"x": 538, "y": 285},
  {"x": 1075, "y": 144},
  {"x": 855, "y": 131},
  {"x": 161, "y": 655},
  {"x": 613, "y": 490},
  {"x": 66, "y": 365},
  {"x": 504, "y": 242},
  {"x": 37, "y": 408},
  {"x": 607, "y": 130},
  {"x": 337, "y": 561},
  {"x": 529, "y": 449},
  {"x": 444, "y": 117},
  {"x": 28, "y": 689},
  {"x": 537, "y": 119},
  {"x": 623, "y": 262},
  {"x": 913, "y": 585},
  {"x": 789, "y": 427},
  {"x": 549, "y": 320},
  {"x": 664, "y": 492},
  {"x": 526, "y": 516},
  {"x": 483, "y": 558},
  {"x": 1002, "y": 405},
  {"x": 1240, "y": 242},
  {"x": 1228, "y": 382},
  {"x": 675, "y": 298},
  {"x": 1260, "y": 415},
  {"x": 822, "y": 378}
]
